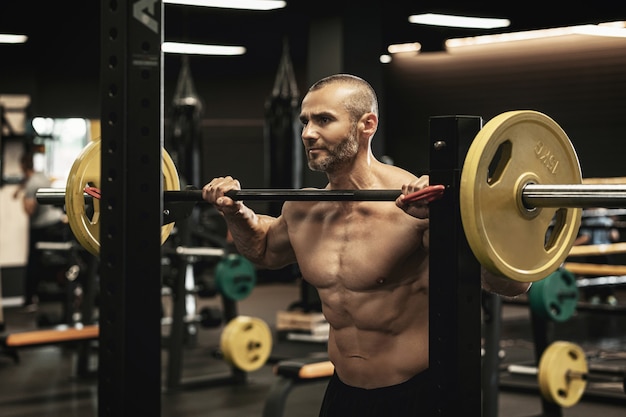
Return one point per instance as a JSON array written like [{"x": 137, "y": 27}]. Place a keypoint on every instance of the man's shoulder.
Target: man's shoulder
[{"x": 400, "y": 174}]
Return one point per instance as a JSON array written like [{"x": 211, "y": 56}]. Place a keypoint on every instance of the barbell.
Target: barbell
[
  {"x": 563, "y": 373},
  {"x": 521, "y": 195}
]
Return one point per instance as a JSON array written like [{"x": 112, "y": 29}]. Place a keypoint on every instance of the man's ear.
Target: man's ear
[{"x": 370, "y": 123}]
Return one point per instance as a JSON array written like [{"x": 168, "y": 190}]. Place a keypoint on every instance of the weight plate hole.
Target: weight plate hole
[
  {"x": 573, "y": 354},
  {"x": 90, "y": 210},
  {"x": 556, "y": 229},
  {"x": 499, "y": 162}
]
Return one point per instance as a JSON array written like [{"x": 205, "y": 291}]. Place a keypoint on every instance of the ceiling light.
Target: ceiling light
[
  {"x": 233, "y": 4},
  {"x": 5, "y": 38},
  {"x": 199, "y": 49},
  {"x": 435, "y": 19},
  {"x": 613, "y": 30},
  {"x": 619, "y": 24},
  {"x": 610, "y": 29},
  {"x": 404, "y": 47},
  {"x": 43, "y": 126}
]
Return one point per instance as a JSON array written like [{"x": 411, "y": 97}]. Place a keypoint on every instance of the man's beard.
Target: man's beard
[{"x": 338, "y": 156}]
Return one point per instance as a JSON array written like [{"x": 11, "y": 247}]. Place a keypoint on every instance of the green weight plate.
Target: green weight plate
[
  {"x": 235, "y": 277},
  {"x": 555, "y": 297}
]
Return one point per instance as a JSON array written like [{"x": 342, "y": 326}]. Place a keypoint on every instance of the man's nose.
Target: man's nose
[{"x": 308, "y": 133}]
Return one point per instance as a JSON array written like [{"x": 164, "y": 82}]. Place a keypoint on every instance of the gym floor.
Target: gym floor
[{"x": 44, "y": 382}]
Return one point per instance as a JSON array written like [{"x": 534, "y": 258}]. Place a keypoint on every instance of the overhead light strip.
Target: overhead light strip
[
  {"x": 610, "y": 30},
  {"x": 201, "y": 49},
  {"x": 232, "y": 4},
  {"x": 436, "y": 19},
  {"x": 6, "y": 38}
]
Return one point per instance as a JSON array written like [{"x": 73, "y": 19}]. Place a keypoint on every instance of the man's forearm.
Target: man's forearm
[{"x": 249, "y": 232}]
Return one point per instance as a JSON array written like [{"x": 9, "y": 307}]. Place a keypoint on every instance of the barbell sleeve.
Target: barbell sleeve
[
  {"x": 56, "y": 196},
  {"x": 53, "y": 196},
  {"x": 574, "y": 195}
]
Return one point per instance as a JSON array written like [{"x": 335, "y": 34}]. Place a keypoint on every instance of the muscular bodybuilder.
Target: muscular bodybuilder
[{"x": 367, "y": 260}]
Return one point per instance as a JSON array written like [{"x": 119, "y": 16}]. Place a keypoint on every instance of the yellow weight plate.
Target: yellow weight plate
[
  {"x": 512, "y": 150},
  {"x": 171, "y": 182},
  {"x": 85, "y": 172},
  {"x": 562, "y": 373},
  {"x": 246, "y": 343},
  {"x": 85, "y": 221}
]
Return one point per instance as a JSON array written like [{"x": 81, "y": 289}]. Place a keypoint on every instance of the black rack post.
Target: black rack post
[
  {"x": 492, "y": 311},
  {"x": 87, "y": 307},
  {"x": 455, "y": 290},
  {"x": 543, "y": 333},
  {"x": 129, "y": 369}
]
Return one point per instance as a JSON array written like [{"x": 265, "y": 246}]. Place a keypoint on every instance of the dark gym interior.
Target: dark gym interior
[{"x": 51, "y": 359}]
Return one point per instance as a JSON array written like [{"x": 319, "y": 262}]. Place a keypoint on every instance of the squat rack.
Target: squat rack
[{"x": 129, "y": 369}]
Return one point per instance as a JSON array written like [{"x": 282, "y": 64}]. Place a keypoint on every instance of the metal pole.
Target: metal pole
[
  {"x": 574, "y": 195},
  {"x": 533, "y": 195},
  {"x": 57, "y": 195},
  {"x": 490, "y": 377},
  {"x": 454, "y": 284},
  {"x": 315, "y": 195},
  {"x": 129, "y": 349}
]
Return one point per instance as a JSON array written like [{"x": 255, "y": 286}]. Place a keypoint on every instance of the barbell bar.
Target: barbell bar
[
  {"x": 532, "y": 195},
  {"x": 57, "y": 195},
  {"x": 574, "y": 195}
]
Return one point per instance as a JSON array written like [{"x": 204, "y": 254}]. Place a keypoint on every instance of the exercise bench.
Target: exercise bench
[
  {"x": 291, "y": 373},
  {"x": 12, "y": 342}
]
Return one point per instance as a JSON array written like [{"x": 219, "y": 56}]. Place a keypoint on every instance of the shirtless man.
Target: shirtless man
[{"x": 368, "y": 260}]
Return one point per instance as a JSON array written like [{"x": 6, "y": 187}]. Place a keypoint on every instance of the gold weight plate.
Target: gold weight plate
[
  {"x": 246, "y": 343},
  {"x": 85, "y": 172},
  {"x": 513, "y": 149},
  {"x": 561, "y": 376},
  {"x": 171, "y": 182}
]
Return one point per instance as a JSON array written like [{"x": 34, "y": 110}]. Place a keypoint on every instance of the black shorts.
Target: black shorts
[{"x": 408, "y": 399}]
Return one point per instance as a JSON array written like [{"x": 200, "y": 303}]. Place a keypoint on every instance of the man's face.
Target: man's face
[{"x": 329, "y": 135}]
